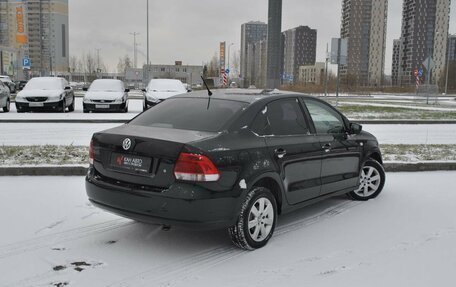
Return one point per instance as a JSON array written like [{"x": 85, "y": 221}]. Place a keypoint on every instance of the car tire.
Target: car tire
[
  {"x": 71, "y": 107},
  {"x": 7, "y": 107},
  {"x": 126, "y": 109},
  {"x": 256, "y": 221},
  {"x": 145, "y": 107},
  {"x": 371, "y": 181}
]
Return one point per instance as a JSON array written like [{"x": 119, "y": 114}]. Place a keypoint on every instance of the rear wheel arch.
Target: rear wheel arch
[
  {"x": 376, "y": 156},
  {"x": 274, "y": 186}
]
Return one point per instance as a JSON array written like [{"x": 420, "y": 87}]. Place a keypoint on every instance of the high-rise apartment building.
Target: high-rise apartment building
[
  {"x": 424, "y": 34},
  {"x": 251, "y": 33},
  {"x": 38, "y": 30},
  {"x": 452, "y": 48},
  {"x": 299, "y": 49},
  {"x": 364, "y": 24},
  {"x": 395, "y": 62},
  {"x": 275, "y": 56}
]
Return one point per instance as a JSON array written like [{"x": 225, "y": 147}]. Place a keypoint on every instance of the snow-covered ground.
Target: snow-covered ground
[
  {"x": 80, "y": 134},
  {"x": 51, "y": 235}
]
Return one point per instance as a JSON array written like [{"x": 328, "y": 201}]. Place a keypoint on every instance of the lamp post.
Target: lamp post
[
  {"x": 448, "y": 64},
  {"x": 147, "y": 33},
  {"x": 229, "y": 52},
  {"x": 135, "y": 54}
]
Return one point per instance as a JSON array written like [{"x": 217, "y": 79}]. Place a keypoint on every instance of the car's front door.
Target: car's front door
[
  {"x": 341, "y": 154},
  {"x": 296, "y": 152}
]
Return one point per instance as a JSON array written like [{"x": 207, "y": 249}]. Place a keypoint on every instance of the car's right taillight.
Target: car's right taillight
[
  {"x": 91, "y": 153},
  {"x": 195, "y": 167}
]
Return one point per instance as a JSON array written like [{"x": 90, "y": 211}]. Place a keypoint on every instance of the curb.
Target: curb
[
  {"x": 82, "y": 170},
  {"x": 65, "y": 121},
  {"x": 122, "y": 121}
]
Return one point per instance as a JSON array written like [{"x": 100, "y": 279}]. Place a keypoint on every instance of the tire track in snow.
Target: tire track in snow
[
  {"x": 179, "y": 270},
  {"x": 61, "y": 237}
]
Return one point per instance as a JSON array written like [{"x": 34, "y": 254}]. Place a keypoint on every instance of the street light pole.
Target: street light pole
[
  {"x": 135, "y": 55},
  {"x": 148, "y": 33},
  {"x": 448, "y": 64},
  {"x": 229, "y": 52},
  {"x": 98, "y": 60}
]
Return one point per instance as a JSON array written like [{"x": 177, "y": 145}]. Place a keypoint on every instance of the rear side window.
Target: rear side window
[
  {"x": 326, "y": 119},
  {"x": 191, "y": 114},
  {"x": 281, "y": 118}
]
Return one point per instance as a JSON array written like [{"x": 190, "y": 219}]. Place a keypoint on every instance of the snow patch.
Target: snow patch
[{"x": 243, "y": 184}]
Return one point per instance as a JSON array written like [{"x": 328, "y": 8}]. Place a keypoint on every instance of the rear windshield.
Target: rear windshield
[{"x": 190, "y": 114}]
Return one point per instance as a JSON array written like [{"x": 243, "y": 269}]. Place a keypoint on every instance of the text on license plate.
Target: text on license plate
[
  {"x": 102, "y": 106},
  {"x": 130, "y": 162},
  {"x": 36, "y": 105}
]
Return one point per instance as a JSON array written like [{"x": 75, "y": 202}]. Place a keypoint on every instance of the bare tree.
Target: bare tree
[
  {"x": 124, "y": 64},
  {"x": 213, "y": 67}
]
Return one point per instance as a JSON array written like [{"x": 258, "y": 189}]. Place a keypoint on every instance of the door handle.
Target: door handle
[{"x": 280, "y": 153}]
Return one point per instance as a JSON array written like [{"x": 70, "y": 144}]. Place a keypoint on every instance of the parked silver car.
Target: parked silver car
[
  {"x": 160, "y": 90},
  {"x": 5, "y": 99},
  {"x": 46, "y": 93},
  {"x": 106, "y": 95},
  {"x": 9, "y": 83}
]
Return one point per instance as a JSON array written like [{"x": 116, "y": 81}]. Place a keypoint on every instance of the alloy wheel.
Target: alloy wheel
[
  {"x": 261, "y": 219},
  {"x": 370, "y": 181}
]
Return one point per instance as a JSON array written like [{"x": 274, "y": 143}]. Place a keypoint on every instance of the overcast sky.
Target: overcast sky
[{"x": 190, "y": 30}]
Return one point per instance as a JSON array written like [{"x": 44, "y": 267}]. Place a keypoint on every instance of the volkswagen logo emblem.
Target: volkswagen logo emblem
[{"x": 126, "y": 144}]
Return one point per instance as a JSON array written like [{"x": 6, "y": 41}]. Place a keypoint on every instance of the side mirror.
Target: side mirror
[
  {"x": 127, "y": 90},
  {"x": 189, "y": 91},
  {"x": 355, "y": 129},
  {"x": 85, "y": 89},
  {"x": 67, "y": 88},
  {"x": 144, "y": 90}
]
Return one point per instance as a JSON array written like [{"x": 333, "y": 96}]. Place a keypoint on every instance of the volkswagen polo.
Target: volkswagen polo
[{"x": 234, "y": 160}]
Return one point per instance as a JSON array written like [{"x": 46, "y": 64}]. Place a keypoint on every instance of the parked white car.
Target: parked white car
[
  {"x": 9, "y": 83},
  {"x": 106, "y": 95},
  {"x": 45, "y": 93},
  {"x": 4, "y": 97},
  {"x": 159, "y": 90}
]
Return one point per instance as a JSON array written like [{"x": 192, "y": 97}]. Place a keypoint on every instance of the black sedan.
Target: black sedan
[{"x": 232, "y": 160}]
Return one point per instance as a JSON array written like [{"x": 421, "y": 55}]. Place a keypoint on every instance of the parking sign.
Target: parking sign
[{"x": 26, "y": 64}]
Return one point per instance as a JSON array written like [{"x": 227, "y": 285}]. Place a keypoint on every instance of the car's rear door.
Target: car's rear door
[
  {"x": 295, "y": 151},
  {"x": 341, "y": 159}
]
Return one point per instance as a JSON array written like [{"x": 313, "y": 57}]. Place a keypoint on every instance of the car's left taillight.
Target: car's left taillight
[
  {"x": 91, "y": 153},
  {"x": 195, "y": 167}
]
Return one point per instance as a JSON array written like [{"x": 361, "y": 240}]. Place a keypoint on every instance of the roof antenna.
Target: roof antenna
[{"x": 209, "y": 93}]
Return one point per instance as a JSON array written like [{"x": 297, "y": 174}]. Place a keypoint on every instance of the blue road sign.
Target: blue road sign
[
  {"x": 420, "y": 72},
  {"x": 26, "y": 63},
  {"x": 227, "y": 71}
]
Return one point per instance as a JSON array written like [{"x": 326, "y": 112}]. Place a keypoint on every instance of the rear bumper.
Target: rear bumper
[
  {"x": 112, "y": 107},
  {"x": 25, "y": 106},
  {"x": 181, "y": 205}
]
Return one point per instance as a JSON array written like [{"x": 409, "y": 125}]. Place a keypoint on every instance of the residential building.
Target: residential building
[
  {"x": 425, "y": 25},
  {"x": 274, "y": 50},
  {"x": 38, "y": 30},
  {"x": 251, "y": 32},
  {"x": 364, "y": 24},
  {"x": 395, "y": 62},
  {"x": 452, "y": 48},
  {"x": 299, "y": 49},
  {"x": 312, "y": 74},
  {"x": 261, "y": 55},
  {"x": 188, "y": 74}
]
